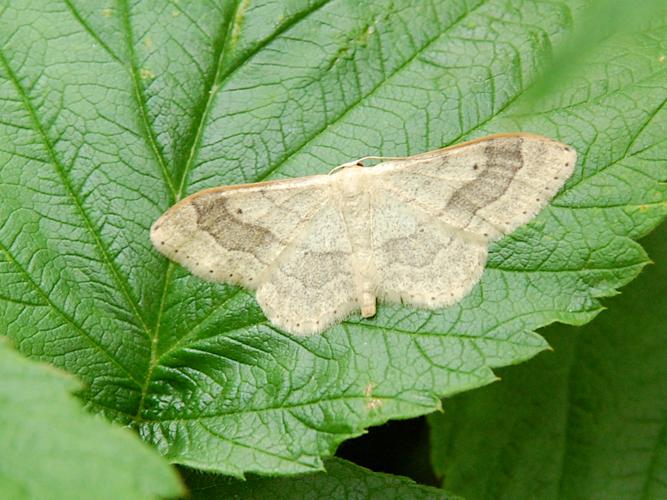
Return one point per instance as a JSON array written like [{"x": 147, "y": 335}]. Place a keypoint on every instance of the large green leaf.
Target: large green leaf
[
  {"x": 111, "y": 114},
  {"x": 342, "y": 479},
  {"x": 52, "y": 449},
  {"x": 585, "y": 421}
]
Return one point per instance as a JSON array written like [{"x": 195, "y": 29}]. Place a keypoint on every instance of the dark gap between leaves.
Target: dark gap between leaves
[{"x": 398, "y": 447}]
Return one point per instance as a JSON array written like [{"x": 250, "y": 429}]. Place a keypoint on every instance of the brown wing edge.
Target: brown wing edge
[{"x": 503, "y": 135}]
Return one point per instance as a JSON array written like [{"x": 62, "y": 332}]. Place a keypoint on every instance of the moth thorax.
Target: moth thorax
[{"x": 351, "y": 181}]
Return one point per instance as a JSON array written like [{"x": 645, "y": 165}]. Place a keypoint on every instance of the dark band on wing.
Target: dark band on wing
[
  {"x": 214, "y": 217},
  {"x": 503, "y": 160}
]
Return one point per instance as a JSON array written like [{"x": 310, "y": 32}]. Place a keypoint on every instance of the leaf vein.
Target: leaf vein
[{"x": 60, "y": 171}]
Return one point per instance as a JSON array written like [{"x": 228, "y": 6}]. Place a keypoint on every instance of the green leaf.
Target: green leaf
[
  {"x": 109, "y": 115},
  {"x": 585, "y": 421},
  {"x": 342, "y": 479},
  {"x": 51, "y": 448}
]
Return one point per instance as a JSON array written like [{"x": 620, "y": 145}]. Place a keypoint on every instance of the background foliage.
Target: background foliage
[
  {"x": 110, "y": 114},
  {"x": 587, "y": 420}
]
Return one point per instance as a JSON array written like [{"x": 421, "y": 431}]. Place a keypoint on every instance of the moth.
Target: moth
[{"x": 413, "y": 230}]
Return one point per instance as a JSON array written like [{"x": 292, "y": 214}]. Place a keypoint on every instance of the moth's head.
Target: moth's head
[{"x": 349, "y": 166}]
